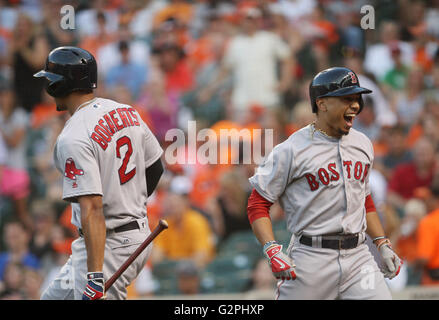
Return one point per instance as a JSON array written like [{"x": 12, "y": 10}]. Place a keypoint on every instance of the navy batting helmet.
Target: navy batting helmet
[
  {"x": 69, "y": 69},
  {"x": 335, "y": 82}
]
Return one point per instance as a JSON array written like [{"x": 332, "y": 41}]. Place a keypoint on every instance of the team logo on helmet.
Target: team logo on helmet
[
  {"x": 353, "y": 77},
  {"x": 71, "y": 171}
]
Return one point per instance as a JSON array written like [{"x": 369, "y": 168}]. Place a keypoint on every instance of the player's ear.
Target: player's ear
[{"x": 321, "y": 105}]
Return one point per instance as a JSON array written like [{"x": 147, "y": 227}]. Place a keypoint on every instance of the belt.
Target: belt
[
  {"x": 343, "y": 242},
  {"x": 126, "y": 227}
]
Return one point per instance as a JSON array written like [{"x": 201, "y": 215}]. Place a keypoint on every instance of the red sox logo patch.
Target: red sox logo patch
[{"x": 71, "y": 171}]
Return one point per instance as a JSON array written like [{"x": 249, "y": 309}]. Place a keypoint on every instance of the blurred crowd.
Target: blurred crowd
[{"x": 227, "y": 65}]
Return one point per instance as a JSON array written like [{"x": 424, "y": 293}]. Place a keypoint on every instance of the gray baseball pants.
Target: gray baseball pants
[
  {"x": 70, "y": 283},
  {"x": 324, "y": 273}
]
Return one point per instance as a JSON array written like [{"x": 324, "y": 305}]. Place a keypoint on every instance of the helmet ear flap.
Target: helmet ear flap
[{"x": 57, "y": 88}]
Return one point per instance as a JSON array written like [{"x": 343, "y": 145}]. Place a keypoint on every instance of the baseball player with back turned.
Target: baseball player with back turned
[
  {"x": 320, "y": 177},
  {"x": 111, "y": 164}
]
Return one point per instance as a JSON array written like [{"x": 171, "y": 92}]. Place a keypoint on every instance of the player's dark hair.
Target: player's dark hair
[{"x": 84, "y": 91}]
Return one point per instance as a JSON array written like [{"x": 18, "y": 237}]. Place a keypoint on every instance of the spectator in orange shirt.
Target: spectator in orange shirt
[
  {"x": 177, "y": 9},
  {"x": 206, "y": 179},
  {"x": 208, "y": 48},
  {"x": 178, "y": 76},
  {"x": 206, "y": 185},
  {"x": 405, "y": 237},
  {"x": 428, "y": 244}
]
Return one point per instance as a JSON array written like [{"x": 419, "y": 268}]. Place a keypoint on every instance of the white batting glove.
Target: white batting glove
[
  {"x": 281, "y": 264},
  {"x": 392, "y": 263}
]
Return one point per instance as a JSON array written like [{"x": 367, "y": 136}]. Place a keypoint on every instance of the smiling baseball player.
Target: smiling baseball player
[
  {"x": 320, "y": 176},
  {"x": 111, "y": 164}
]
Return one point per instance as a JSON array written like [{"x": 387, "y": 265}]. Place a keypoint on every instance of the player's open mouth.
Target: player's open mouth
[{"x": 349, "y": 119}]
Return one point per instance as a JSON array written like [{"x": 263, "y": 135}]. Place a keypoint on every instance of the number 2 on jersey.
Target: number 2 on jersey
[{"x": 123, "y": 175}]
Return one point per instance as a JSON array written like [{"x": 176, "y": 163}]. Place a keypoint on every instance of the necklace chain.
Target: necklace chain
[{"x": 320, "y": 130}]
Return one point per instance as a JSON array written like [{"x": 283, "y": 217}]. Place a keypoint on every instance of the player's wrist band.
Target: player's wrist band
[
  {"x": 384, "y": 240},
  {"x": 95, "y": 275},
  {"x": 379, "y": 238},
  {"x": 268, "y": 244}
]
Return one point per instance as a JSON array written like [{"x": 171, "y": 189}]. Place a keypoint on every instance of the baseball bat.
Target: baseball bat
[{"x": 160, "y": 227}]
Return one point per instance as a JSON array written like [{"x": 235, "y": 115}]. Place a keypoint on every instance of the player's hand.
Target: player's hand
[
  {"x": 392, "y": 263},
  {"x": 281, "y": 265},
  {"x": 95, "y": 286}
]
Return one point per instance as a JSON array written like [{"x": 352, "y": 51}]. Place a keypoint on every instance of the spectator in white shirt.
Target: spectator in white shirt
[
  {"x": 378, "y": 58},
  {"x": 252, "y": 57},
  {"x": 385, "y": 116}
]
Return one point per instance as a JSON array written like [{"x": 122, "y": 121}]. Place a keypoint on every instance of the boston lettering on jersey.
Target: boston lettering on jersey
[
  {"x": 357, "y": 170},
  {"x": 112, "y": 122}
]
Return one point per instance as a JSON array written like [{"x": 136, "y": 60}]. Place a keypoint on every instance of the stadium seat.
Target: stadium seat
[
  {"x": 240, "y": 242},
  {"x": 166, "y": 286},
  {"x": 230, "y": 263},
  {"x": 165, "y": 276},
  {"x": 230, "y": 282},
  {"x": 164, "y": 268}
]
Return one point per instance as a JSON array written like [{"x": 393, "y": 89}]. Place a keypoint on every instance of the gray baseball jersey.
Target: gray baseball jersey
[
  {"x": 320, "y": 182},
  {"x": 104, "y": 149}
]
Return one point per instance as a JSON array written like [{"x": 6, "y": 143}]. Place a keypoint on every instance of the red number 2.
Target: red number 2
[{"x": 123, "y": 176}]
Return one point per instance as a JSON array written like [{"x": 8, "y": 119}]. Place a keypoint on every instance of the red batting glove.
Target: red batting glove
[
  {"x": 281, "y": 265},
  {"x": 95, "y": 286}
]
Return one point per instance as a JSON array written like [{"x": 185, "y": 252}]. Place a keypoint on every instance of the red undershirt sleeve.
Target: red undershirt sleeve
[
  {"x": 369, "y": 204},
  {"x": 257, "y": 207}
]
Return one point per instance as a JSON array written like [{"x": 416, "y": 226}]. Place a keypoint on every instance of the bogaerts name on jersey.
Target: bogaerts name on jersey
[{"x": 112, "y": 122}]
